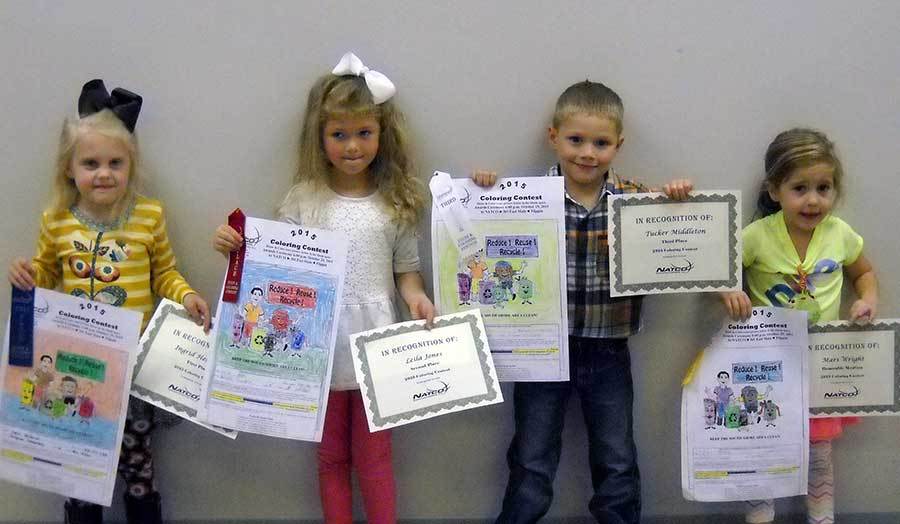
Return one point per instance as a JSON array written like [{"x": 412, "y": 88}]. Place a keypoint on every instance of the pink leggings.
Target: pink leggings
[{"x": 346, "y": 441}]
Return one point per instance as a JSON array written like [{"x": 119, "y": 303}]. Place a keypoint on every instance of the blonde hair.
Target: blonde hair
[
  {"x": 106, "y": 123},
  {"x": 589, "y": 97},
  {"x": 791, "y": 150},
  {"x": 392, "y": 169}
]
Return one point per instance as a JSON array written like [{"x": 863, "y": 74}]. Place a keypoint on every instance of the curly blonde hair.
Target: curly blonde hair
[
  {"x": 333, "y": 97},
  {"x": 106, "y": 123}
]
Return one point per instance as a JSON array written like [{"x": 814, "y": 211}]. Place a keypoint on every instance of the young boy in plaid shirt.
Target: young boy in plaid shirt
[{"x": 586, "y": 135}]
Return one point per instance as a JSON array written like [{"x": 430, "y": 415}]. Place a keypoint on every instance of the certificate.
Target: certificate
[
  {"x": 658, "y": 245},
  {"x": 62, "y": 418},
  {"x": 171, "y": 364},
  {"x": 274, "y": 346},
  {"x": 744, "y": 411},
  {"x": 854, "y": 369},
  {"x": 408, "y": 373},
  {"x": 515, "y": 273}
]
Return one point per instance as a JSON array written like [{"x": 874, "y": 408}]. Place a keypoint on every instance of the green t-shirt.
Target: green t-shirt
[{"x": 777, "y": 277}]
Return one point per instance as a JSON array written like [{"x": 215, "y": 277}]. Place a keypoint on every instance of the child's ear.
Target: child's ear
[
  {"x": 773, "y": 193},
  {"x": 620, "y": 142},
  {"x": 552, "y": 136}
]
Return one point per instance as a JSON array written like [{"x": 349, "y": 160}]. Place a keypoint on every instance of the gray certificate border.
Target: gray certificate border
[
  {"x": 491, "y": 385},
  {"x": 152, "y": 332},
  {"x": 733, "y": 240},
  {"x": 882, "y": 409}
]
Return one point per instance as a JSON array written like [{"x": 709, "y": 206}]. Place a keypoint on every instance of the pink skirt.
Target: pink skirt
[{"x": 829, "y": 428}]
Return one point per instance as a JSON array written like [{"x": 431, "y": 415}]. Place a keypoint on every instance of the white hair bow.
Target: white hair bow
[{"x": 380, "y": 86}]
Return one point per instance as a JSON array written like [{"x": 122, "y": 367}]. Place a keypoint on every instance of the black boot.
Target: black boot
[
  {"x": 144, "y": 510},
  {"x": 80, "y": 512}
]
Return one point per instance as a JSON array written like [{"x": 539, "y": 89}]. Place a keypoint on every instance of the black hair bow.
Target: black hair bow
[{"x": 123, "y": 103}]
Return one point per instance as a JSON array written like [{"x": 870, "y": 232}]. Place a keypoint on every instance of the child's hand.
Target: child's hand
[
  {"x": 421, "y": 307},
  {"x": 484, "y": 178},
  {"x": 227, "y": 239},
  {"x": 678, "y": 189},
  {"x": 862, "y": 312},
  {"x": 21, "y": 274},
  {"x": 738, "y": 304},
  {"x": 198, "y": 309}
]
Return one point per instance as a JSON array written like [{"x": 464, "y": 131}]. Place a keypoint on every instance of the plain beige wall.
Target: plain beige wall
[{"x": 706, "y": 86}]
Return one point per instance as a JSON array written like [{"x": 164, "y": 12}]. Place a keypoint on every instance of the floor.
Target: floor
[{"x": 871, "y": 518}]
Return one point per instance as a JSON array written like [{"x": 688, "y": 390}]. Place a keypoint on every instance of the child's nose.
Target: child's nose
[{"x": 813, "y": 198}]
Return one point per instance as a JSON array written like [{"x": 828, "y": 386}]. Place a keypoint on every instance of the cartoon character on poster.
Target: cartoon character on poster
[
  {"x": 504, "y": 273},
  {"x": 69, "y": 388},
  {"x": 486, "y": 290},
  {"x": 297, "y": 338},
  {"x": 273, "y": 330},
  {"x": 526, "y": 289},
  {"x": 511, "y": 279},
  {"x": 516, "y": 275},
  {"x": 26, "y": 397},
  {"x": 258, "y": 339},
  {"x": 284, "y": 319},
  {"x": 464, "y": 288},
  {"x": 41, "y": 378},
  {"x": 46, "y": 407},
  {"x": 743, "y": 419},
  {"x": 722, "y": 395},
  {"x": 269, "y": 345},
  {"x": 476, "y": 267},
  {"x": 501, "y": 296},
  {"x": 253, "y": 313},
  {"x": 721, "y": 408},
  {"x": 57, "y": 408},
  {"x": 733, "y": 415},
  {"x": 237, "y": 331},
  {"x": 770, "y": 412},
  {"x": 709, "y": 413},
  {"x": 85, "y": 404},
  {"x": 751, "y": 397},
  {"x": 497, "y": 288},
  {"x": 281, "y": 323},
  {"x": 74, "y": 393}
]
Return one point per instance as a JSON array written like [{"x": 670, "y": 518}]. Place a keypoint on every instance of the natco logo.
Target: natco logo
[
  {"x": 432, "y": 389},
  {"x": 40, "y": 311},
  {"x": 182, "y": 391},
  {"x": 675, "y": 268},
  {"x": 842, "y": 393}
]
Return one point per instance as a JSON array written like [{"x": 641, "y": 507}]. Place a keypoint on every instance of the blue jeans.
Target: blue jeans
[{"x": 600, "y": 371}]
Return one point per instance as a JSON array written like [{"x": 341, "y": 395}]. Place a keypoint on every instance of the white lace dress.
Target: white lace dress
[{"x": 378, "y": 248}]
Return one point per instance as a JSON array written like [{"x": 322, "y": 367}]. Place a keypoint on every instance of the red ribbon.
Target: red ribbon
[{"x": 235, "y": 259}]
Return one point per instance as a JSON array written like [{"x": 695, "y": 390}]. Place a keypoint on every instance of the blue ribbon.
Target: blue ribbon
[{"x": 21, "y": 328}]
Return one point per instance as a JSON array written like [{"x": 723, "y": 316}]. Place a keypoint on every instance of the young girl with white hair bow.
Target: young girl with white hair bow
[{"x": 356, "y": 176}]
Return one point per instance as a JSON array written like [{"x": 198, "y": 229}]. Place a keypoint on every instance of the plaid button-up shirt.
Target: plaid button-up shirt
[{"x": 592, "y": 312}]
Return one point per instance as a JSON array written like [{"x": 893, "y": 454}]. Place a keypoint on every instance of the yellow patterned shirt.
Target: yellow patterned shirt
[{"x": 123, "y": 264}]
